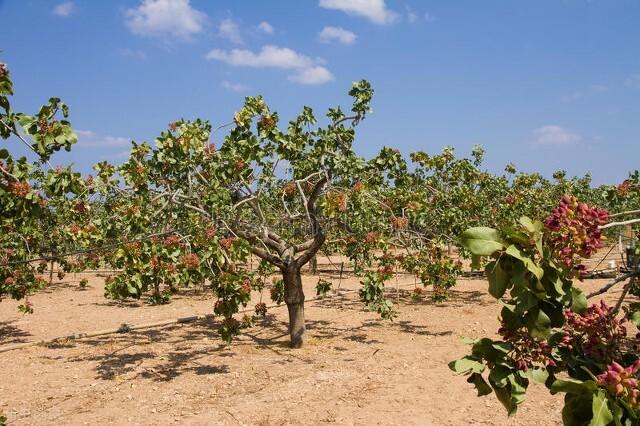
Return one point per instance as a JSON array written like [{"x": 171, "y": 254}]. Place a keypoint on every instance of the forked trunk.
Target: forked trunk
[{"x": 294, "y": 298}]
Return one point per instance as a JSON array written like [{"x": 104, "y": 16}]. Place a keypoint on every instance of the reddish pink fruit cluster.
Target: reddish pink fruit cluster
[
  {"x": 190, "y": 260},
  {"x": 526, "y": 351},
  {"x": 340, "y": 201},
  {"x": 371, "y": 237},
  {"x": 231, "y": 323},
  {"x": 226, "y": 243},
  {"x": 358, "y": 186},
  {"x": 245, "y": 289},
  {"x": 399, "y": 222},
  {"x": 172, "y": 241},
  {"x": 19, "y": 189},
  {"x": 622, "y": 382},
  {"x": 573, "y": 230},
  {"x": 289, "y": 188},
  {"x": 509, "y": 199},
  {"x": 597, "y": 331},
  {"x": 211, "y": 232},
  {"x": 261, "y": 309},
  {"x": 209, "y": 150},
  {"x": 625, "y": 187}
]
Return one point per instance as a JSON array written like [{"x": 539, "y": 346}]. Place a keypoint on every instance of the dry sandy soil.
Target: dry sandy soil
[{"x": 354, "y": 369}]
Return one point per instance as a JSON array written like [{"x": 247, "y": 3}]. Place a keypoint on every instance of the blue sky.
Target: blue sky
[{"x": 545, "y": 84}]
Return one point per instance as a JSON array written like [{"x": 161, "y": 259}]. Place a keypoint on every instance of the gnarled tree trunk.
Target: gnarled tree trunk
[{"x": 294, "y": 298}]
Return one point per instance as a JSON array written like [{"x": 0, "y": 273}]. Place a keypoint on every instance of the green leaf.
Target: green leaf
[
  {"x": 573, "y": 386},
  {"x": 531, "y": 226},
  {"x": 481, "y": 241},
  {"x": 538, "y": 375},
  {"x": 466, "y": 365},
  {"x": 504, "y": 396},
  {"x": 579, "y": 300},
  {"x": 538, "y": 323},
  {"x": 577, "y": 410},
  {"x": 498, "y": 279},
  {"x": 531, "y": 266},
  {"x": 499, "y": 376},
  {"x": 481, "y": 385},
  {"x": 602, "y": 416}
]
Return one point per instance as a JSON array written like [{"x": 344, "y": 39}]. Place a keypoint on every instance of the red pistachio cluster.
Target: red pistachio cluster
[
  {"x": 261, "y": 309},
  {"x": 19, "y": 189},
  {"x": 371, "y": 237},
  {"x": 339, "y": 200},
  {"x": 598, "y": 332},
  {"x": 526, "y": 351},
  {"x": 190, "y": 260},
  {"x": 625, "y": 187},
  {"x": 226, "y": 243},
  {"x": 399, "y": 222},
  {"x": 172, "y": 241},
  {"x": 289, "y": 189},
  {"x": 211, "y": 232},
  {"x": 157, "y": 263},
  {"x": 245, "y": 289},
  {"x": 573, "y": 230},
  {"x": 622, "y": 382}
]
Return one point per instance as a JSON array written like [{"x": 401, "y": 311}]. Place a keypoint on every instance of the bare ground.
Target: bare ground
[{"x": 354, "y": 369}]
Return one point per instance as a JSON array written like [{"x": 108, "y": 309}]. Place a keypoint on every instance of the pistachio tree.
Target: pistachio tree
[
  {"x": 264, "y": 192},
  {"x": 35, "y": 197}
]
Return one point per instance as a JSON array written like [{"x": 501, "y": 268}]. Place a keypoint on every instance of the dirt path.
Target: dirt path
[{"x": 354, "y": 369}]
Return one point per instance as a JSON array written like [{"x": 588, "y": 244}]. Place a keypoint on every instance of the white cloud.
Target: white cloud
[
  {"x": 555, "y": 135},
  {"x": 230, "y": 30},
  {"x": 594, "y": 89},
  {"x": 165, "y": 18},
  {"x": 64, "y": 9},
  {"x": 235, "y": 87},
  {"x": 633, "y": 81},
  {"x": 307, "y": 70},
  {"x": 411, "y": 16},
  {"x": 131, "y": 53},
  {"x": 269, "y": 56},
  {"x": 265, "y": 27},
  {"x": 374, "y": 10},
  {"x": 312, "y": 76},
  {"x": 429, "y": 17},
  {"x": 88, "y": 138},
  {"x": 329, "y": 34}
]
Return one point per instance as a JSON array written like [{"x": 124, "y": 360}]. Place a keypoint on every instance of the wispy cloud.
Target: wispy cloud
[
  {"x": 308, "y": 71},
  {"x": 230, "y": 30},
  {"x": 374, "y": 10},
  {"x": 157, "y": 18},
  {"x": 633, "y": 81},
  {"x": 553, "y": 135},
  {"x": 265, "y": 27},
  {"x": 312, "y": 76},
  {"x": 132, "y": 53},
  {"x": 331, "y": 34},
  {"x": 429, "y": 17},
  {"x": 64, "y": 9},
  {"x": 594, "y": 89},
  {"x": 235, "y": 87},
  {"x": 412, "y": 17},
  {"x": 90, "y": 139}
]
